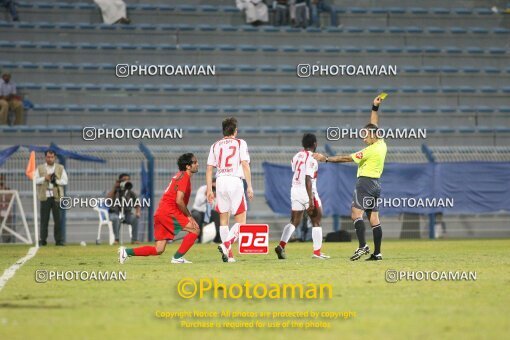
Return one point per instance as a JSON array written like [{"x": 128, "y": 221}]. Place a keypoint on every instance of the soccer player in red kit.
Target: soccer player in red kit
[{"x": 172, "y": 215}]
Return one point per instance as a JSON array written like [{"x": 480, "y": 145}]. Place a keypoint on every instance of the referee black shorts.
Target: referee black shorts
[{"x": 365, "y": 196}]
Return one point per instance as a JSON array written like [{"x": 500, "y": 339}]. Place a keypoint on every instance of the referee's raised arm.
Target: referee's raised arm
[{"x": 374, "y": 116}]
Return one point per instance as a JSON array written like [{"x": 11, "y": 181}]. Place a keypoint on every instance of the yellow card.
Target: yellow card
[{"x": 383, "y": 95}]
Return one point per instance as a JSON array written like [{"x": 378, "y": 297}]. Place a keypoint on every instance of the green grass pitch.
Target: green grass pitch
[{"x": 126, "y": 309}]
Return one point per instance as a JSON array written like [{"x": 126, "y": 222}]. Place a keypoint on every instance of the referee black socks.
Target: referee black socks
[
  {"x": 377, "y": 231},
  {"x": 359, "y": 225}
]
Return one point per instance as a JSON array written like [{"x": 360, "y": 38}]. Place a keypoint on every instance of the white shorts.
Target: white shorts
[
  {"x": 230, "y": 195},
  {"x": 299, "y": 199}
]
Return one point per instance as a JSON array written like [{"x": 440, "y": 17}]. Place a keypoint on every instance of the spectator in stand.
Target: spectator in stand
[
  {"x": 301, "y": 10},
  {"x": 319, "y": 6},
  {"x": 9, "y": 100},
  {"x": 255, "y": 11},
  {"x": 281, "y": 12},
  {"x": 113, "y": 11},
  {"x": 11, "y": 7}
]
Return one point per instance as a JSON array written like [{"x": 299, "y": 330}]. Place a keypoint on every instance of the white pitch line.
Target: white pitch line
[{"x": 9, "y": 272}]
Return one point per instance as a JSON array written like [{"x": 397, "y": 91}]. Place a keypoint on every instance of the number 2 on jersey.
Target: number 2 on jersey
[{"x": 227, "y": 164}]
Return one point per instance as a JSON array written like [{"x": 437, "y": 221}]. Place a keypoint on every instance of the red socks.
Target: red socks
[
  {"x": 187, "y": 242},
  {"x": 283, "y": 244},
  {"x": 145, "y": 251}
]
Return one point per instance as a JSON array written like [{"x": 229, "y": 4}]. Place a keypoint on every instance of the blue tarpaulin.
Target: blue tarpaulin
[
  {"x": 65, "y": 153},
  {"x": 472, "y": 187},
  {"x": 6, "y": 153}
]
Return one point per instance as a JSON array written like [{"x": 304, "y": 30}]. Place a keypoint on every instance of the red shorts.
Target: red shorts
[{"x": 169, "y": 225}]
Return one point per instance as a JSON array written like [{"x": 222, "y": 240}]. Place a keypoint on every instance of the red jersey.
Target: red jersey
[{"x": 180, "y": 182}]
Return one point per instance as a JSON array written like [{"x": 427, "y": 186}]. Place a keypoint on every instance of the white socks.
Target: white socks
[
  {"x": 317, "y": 238},
  {"x": 224, "y": 233},
  {"x": 233, "y": 233},
  {"x": 287, "y": 232}
]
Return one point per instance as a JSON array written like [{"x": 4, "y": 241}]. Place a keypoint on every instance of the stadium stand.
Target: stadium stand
[{"x": 453, "y": 79}]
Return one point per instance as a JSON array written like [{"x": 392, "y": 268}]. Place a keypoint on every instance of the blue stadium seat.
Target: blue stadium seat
[
  {"x": 466, "y": 129},
  {"x": 349, "y": 109},
  {"x": 378, "y": 10},
  {"x": 226, "y": 47},
  {"x": 290, "y": 49},
  {"x": 445, "y": 129},
  {"x": 501, "y": 30},
  {"x": 353, "y": 49},
  {"x": 470, "y": 69},
  {"x": 488, "y": 89},
  {"x": 414, "y": 30},
  {"x": 429, "y": 89},
  {"x": 396, "y": 29},
  {"x": 427, "y": 109},
  {"x": 502, "y": 129},
  {"x": 354, "y": 29},
  {"x": 485, "y": 129},
  {"x": 438, "y": 10},
  {"x": 458, "y": 30},
  {"x": 466, "y": 109},
  {"x": 288, "y": 129},
  {"x": 467, "y": 89},
  {"x": 331, "y": 49},
  {"x": 497, "y": 50},
  {"x": 485, "y": 109},
  {"x": 483, "y": 11},
  {"x": 327, "y": 109},
  {"x": 492, "y": 70},
  {"x": 393, "y": 49},
  {"x": 435, "y": 30},
  {"x": 328, "y": 89},
  {"x": 311, "y": 49},
  {"x": 397, "y": 10},
  {"x": 268, "y": 48},
  {"x": 453, "y": 50},
  {"x": 407, "y": 109},
  {"x": 307, "y": 109},
  {"x": 447, "y": 109},
  {"x": 267, "y": 88},
  {"x": 372, "y": 29},
  {"x": 463, "y": 11},
  {"x": 409, "y": 89},
  {"x": 418, "y": 10},
  {"x": 308, "y": 89},
  {"x": 207, "y": 28},
  {"x": 357, "y": 10},
  {"x": 475, "y": 50}
]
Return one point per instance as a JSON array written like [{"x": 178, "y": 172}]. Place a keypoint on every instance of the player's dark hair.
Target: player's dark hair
[
  {"x": 308, "y": 141},
  {"x": 51, "y": 152},
  {"x": 185, "y": 160},
  {"x": 229, "y": 126},
  {"x": 372, "y": 129},
  {"x": 123, "y": 175}
]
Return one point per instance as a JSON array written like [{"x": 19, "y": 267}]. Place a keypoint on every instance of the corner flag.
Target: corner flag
[
  {"x": 31, "y": 166},
  {"x": 30, "y": 172}
]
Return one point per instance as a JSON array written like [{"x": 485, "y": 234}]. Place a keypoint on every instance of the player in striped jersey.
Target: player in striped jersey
[
  {"x": 303, "y": 195},
  {"x": 231, "y": 159}
]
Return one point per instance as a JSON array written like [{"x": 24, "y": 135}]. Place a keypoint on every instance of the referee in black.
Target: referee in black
[{"x": 370, "y": 162}]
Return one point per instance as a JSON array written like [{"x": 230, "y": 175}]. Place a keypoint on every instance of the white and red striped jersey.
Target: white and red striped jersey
[
  {"x": 304, "y": 164},
  {"x": 226, "y": 155}
]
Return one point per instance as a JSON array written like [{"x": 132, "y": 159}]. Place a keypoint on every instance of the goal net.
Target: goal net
[{"x": 14, "y": 226}]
